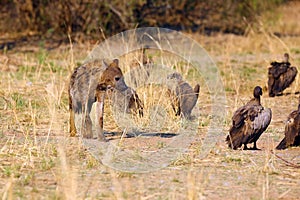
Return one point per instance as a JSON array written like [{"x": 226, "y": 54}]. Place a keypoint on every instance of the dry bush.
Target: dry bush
[{"x": 87, "y": 17}]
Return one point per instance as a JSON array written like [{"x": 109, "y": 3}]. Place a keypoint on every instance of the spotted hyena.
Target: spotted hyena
[
  {"x": 90, "y": 83},
  {"x": 183, "y": 96}
]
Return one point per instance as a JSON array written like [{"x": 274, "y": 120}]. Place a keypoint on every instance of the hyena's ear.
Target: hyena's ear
[{"x": 115, "y": 63}]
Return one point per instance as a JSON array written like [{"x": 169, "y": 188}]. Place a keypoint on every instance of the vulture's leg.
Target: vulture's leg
[{"x": 255, "y": 147}]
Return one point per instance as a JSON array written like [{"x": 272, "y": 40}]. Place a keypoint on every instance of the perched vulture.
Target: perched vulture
[
  {"x": 249, "y": 122},
  {"x": 292, "y": 130},
  {"x": 280, "y": 76}
]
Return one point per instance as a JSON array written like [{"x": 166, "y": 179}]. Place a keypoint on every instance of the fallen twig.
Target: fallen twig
[{"x": 288, "y": 163}]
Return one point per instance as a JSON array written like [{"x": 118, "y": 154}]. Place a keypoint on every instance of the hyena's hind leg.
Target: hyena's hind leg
[
  {"x": 72, "y": 119},
  {"x": 136, "y": 104},
  {"x": 86, "y": 126},
  {"x": 72, "y": 124}
]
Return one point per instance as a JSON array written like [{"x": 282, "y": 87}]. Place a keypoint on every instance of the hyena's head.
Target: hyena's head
[
  {"x": 112, "y": 76},
  {"x": 175, "y": 76}
]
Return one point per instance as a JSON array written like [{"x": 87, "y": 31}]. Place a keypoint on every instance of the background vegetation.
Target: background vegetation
[{"x": 57, "y": 18}]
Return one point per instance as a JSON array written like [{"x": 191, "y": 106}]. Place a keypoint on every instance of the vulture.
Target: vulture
[
  {"x": 249, "y": 122},
  {"x": 292, "y": 130},
  {"x": 280, "y": 76},
  {"x": 183, "y": 96}
]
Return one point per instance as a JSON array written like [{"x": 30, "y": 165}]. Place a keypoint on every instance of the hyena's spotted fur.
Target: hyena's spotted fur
[
  {"x": 88, "y": 84},
  {"x": 183, "y": 96}
]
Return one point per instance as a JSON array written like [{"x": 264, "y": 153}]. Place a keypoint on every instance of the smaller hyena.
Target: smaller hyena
[
  {"x": 88, "y": 84},
  {"x": 126, "y": 100},
  {"x": 182, "y": 95}
]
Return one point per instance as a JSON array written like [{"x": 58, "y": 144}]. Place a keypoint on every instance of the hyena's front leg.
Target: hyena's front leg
[
  {"x": 86, "y": 126},
  {"x": 140, "y": 105},
  {"x": 136, "y": 105},
  {"x": 100, "y": 95}
]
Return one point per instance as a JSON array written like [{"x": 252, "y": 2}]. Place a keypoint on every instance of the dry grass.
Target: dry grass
[{"x": 38, "y": 160}]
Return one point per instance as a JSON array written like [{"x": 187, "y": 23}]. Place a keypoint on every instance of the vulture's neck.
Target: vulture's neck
[{"x": 255, "y": 101}]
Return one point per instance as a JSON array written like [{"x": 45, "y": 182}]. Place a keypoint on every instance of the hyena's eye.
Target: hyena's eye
[{"x": 117, "y": 78}]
